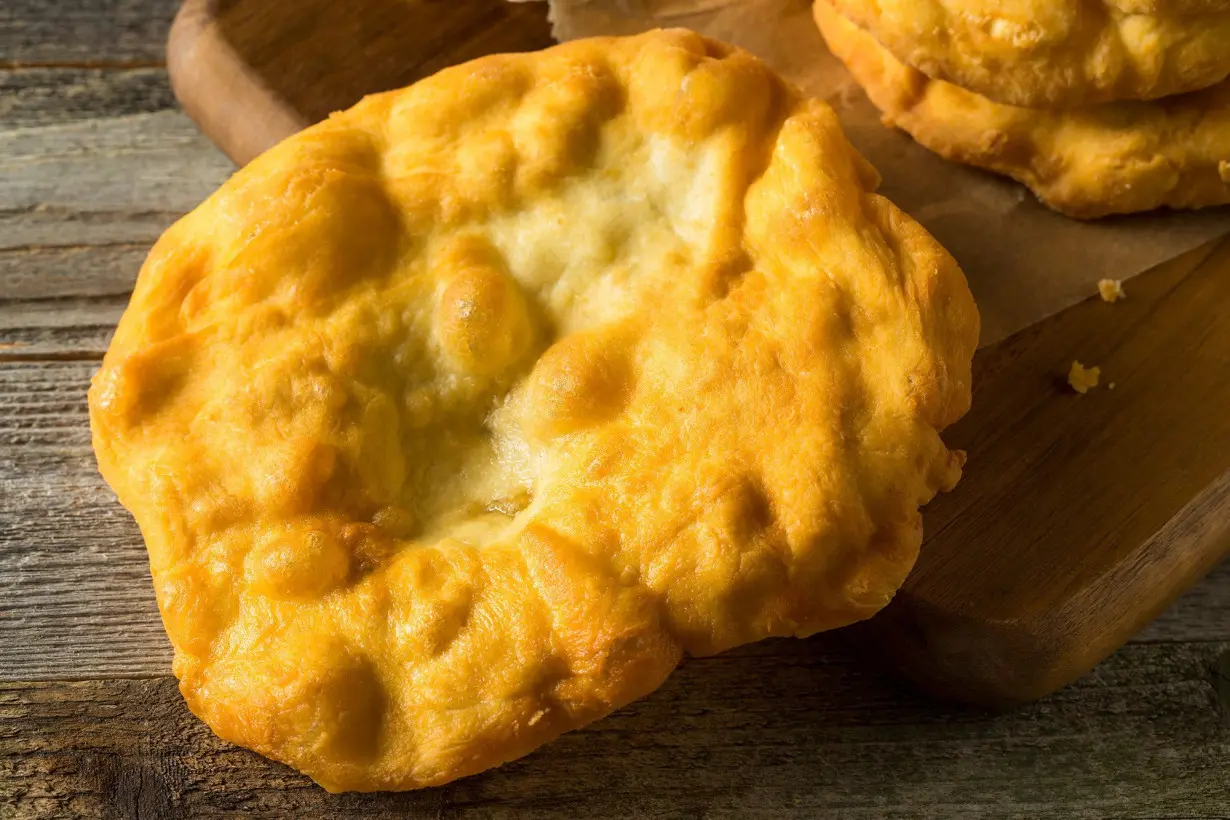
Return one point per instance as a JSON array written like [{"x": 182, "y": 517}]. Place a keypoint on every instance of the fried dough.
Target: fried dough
[
  {"x": 1105, "y": 159},
  {"x": 454, "y": 421},
  {"x": 1056, "y": 53}
]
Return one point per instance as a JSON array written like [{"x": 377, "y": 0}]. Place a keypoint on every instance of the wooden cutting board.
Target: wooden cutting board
[{"x": 1079, "y": 519}]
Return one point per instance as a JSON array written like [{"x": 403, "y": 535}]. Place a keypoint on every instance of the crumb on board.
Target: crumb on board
[
  {"x": 1110, "y": 386},
  {"x": 1082, "y": 378},
  {"x": 1111, "y": 290}
]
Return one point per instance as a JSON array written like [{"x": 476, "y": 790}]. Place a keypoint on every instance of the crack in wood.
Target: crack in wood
[
  {"x": 1222, "y": 676},
  {"x": 15, "y": 355},
  {"x": 72, "y": 246},
  {"x": 89, "y": 65}
]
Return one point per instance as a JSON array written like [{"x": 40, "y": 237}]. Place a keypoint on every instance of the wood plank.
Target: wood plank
[
  {"x": 118, "y": 182},
  {"x": 91, "y": 32},
  {"x": 58, "y": 302},
  {"x": 75, "y": 594},
  {"x": 70, "y": 271},
  {"x": 58, "y": 328},
  {"x": 107, "y": 181},
  {"x": 783, "y": 729},
  {"x": 45, "y": 96},
  {"x": 44, "y": 425}
]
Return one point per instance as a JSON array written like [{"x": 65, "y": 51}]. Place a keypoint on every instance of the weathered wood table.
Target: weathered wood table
[{"x": 94, "y": 162}]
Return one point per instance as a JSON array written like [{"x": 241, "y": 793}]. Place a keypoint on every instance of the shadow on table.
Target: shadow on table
[{"x": 784, "y": 728}]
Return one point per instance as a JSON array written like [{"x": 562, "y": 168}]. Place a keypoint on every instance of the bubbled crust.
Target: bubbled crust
[
  {"x": 452, "y": 422},
  {"x": 1056, "y": 53},
  {"x": 1088, "y": 162}
]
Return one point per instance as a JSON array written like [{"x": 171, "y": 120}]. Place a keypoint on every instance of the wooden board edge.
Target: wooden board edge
[
  {"x": 962, "y": 657},
  {"x": 224, "y": 90}
]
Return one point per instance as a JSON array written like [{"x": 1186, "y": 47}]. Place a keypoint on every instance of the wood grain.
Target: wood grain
[
  {"x": 75, "y": 594},
  {"x": 64, "y": 301},
  {"x": 84, "y": 32},
  {"x": 157, "y": 159},
  {"x": 783, "y": 729},
  {"x": 53, "y": 272},
  {"x": 32, "y": 97},
  {"x": 114, "y": 180},
  {"x": 80, "y": 204}
]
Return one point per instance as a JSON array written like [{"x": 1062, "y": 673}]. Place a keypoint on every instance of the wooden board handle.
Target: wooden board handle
[
  {"x": 252, "y": 72},
  {"x": 227, "y": 98}
]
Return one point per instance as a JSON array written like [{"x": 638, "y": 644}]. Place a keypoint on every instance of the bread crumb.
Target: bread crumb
[
  {"x": 1111, "y": 290},
  {"x": 847, "y": 95},
  {"x": 1082, "y": 378},
  {"x": 1110, "y": 386}
]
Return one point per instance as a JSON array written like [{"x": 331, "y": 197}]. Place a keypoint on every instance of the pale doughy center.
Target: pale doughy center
[{"x": 584, "y": 260}]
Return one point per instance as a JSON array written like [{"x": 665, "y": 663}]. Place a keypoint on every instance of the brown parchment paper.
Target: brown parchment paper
[{"x": 1023, "y": 261}]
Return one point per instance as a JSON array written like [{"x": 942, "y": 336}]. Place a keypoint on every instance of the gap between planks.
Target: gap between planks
[
  {"x": 82, "y": 65},
  {"x": 85, "y": 31}
]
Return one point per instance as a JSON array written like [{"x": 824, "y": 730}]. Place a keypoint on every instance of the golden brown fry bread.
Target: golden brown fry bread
[
  {"x": 1088, "y": 162},
  {"x": 452, "y": 422},
  {"x": 1056, "y": 53}
]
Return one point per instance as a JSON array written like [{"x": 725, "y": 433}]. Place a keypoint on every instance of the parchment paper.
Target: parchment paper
[{"x": 1023, "y": 261}]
